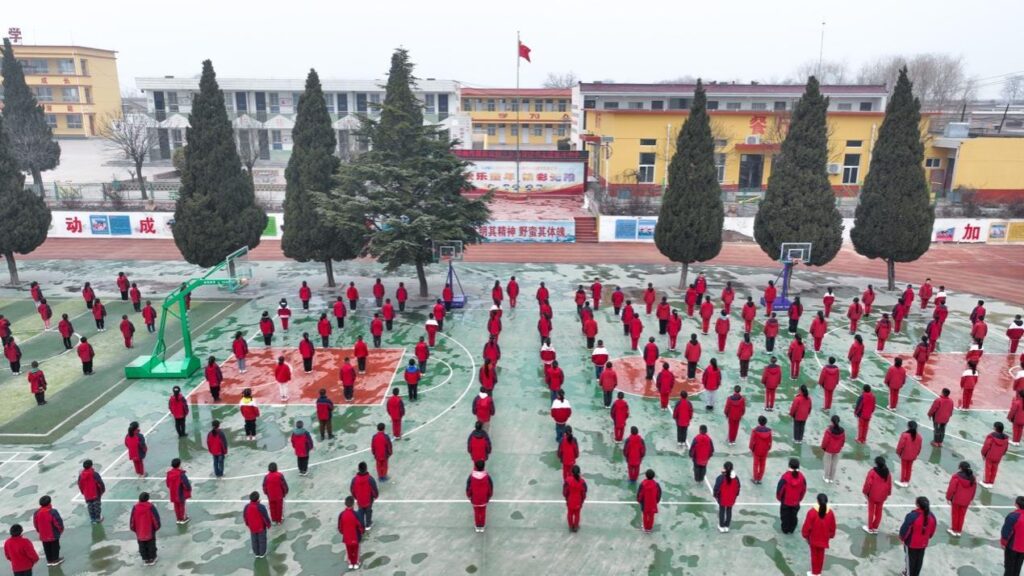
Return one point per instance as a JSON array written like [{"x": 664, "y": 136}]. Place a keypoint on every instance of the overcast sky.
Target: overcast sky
[{"x": 475, "y": 41}]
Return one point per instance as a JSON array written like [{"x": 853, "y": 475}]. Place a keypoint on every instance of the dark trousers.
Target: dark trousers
[
  {"x": 769, "y": 343},
  {"x": 401, "y": 306},
  {"x": 267, "y": 338},
  {"x": 940, "y": 432},
  {"x": 590, "y": 343},
  {"x": 625, "y": 328},
  {"x": 40, "y": 398},
  {"x": 691, "y": 370},
  {"x": 617, "y": 310},
  {"x": 388, "y": 324},
  {"x": 67, "y": 343},
  {"x": 649, "y": 373},
  {"x": 303, "y": 463},
  {"x": 326, "y": 428},
  {"x": 179, "y": 427},
  {"x": 124, "y": 294},
  {"x": 218, "y": 465},
  {"x": 325, "y": 341},
  {"x": 724, "y": 516},
  {"x": 87, "y": 367},
  {"x": 788, "y": 515},
  {"x": 16, "y": 366},
  {"x": 52, "y": 551},
  {"x": 681, "y": 432},
  {"x": 100, "y": 323},
  {"x": 250, "y": 427},
  {"x": 915, "y": 560},
  {"x": 361, "y": 363},
  {"x": 305, "y": 304},
  {"x": 88, "y": 304},
  {"x": 376, "y": 341},
  {"x": 699, "y": 472},
  {"x": 365, "y": 516},
  {"x": 307, "y": 364},
  {"x": 607, "y": 398},
  {"x": 379, "y": 301},
  {"x": 440, "y": 324},
  {"x": 1012, "y": 562},
  {"x": 147, "y": 549},
  {"x": 215, "y": 392},
  {"x": 259, "y": 543},
  {"x": 422, "y": 366},
  {"x": 792, "y": 325},
  {"x": 137, "y": 306},
  {"x": 447, "y": 307},
  {"x": 744, "y": 368},
  {"x": 151, "y": 328},
  {"x": 412, "y": 392},
  {"x": 662, "y": 327},
  {"x": 352, "y": 304},
  {"x": 348, "y": 391},
  {"x": 341, "y": 321},
  {"x": 798, "y": 430},
  {"x": 95, "y": 509}
]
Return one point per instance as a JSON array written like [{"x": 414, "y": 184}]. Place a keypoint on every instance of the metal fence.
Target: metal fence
[{"x": 125, "y": 195}]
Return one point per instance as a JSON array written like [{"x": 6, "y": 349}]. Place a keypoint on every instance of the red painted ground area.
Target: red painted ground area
[
  {"x": 631, "y": 371},
  {"x": 995, "y": 385},
  {"x": 371, "y": 386}
]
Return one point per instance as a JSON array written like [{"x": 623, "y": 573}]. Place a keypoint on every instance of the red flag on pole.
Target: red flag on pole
[{"x": 524, "y": 52}]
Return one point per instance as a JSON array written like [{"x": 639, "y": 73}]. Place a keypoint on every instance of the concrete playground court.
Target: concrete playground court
[{"x": 423, "y": 522}]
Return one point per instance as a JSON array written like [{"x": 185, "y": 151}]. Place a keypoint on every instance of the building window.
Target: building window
[
  {"x": 712, "y": 104},
  {"x": 65, "y": 66},
  {"x": 645, "y": 172},
  {"x": 51, "y": 120},
  {"x": 515, "y": 129},
  {"x": 657, "y": 104},
  {"x": 844, "y": 106},
  {"x": 759, "y": 106},
  {"x": 43, "y": 93},
  {"x": 563, "y": 106},
  {"x": 854, "y": 143},
  {"x": 479, "y": 129},
  {"x": 611, "y": 105},
  {"x": 538, "y": 105},
  {"x": 865, "y": 106},
  {"x": 275, "y": 140},
  {"x": 720, "y": 167},
  {"x": 933, "y": 163},
  {"x": 549, "y": 105},
  {"x": 275, "y": 102},
  {"x": 177, "y": 138},
  {"x": 241, "y": 102},
  {"x": 780, "y": 105},
  {"x": 636, "y": 105},
  {"x": 721, "y": 143},
  {"x": 851, "y": 168},
  {"x": 361, "y": 105},
  {"x": 442, "y": 106},
  {"x": 329, "y": 102},
  {"x": 589, "y": 104},
  {"x": 562, "y": 130},
  {"x": 35, "y": 66},
  {"x": 733, "y": 105},
  {"x": 342, "y": 104},
  {"x": 537, "y": 130},
  {"x": 678, "y": 104},
  {"x": 429, "y": 104},
  {"x": 88, "y": 95},
  {"x": 648, "y": 141},
  {"x": 74, "y": 121},
  {"x": 84, "y": 64},
  {"x": 375, "y": 103},
  {"x": 69, "y": 94},
  {"x": 172, "y": 101},
  {"x": 492, "y": 130},
  {"x": 491, "y": 105}
]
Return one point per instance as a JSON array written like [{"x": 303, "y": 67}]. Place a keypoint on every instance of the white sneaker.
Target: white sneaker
[
  {"x": 984, "y": 485},
  {"x": 951, "y": 533},
  {"x": 868, "y": 530}
]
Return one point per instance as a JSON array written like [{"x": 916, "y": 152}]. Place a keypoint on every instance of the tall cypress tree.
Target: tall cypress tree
[
  {"x": 24, "y": 216},
  {"x": 311, "y": 167},
  {"x": 689, "y": 225},
  {"x": 30, "y": 136},
  {"x": 216, "y": 212},
  {"x": 407, "y": 189},
  {"x": 799, "y": 205},
  {"x": 895, "y": 216}
]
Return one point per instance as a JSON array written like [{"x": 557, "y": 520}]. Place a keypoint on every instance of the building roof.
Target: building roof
[
  {"x": 60, "y": 48},
  {"x": 610, "y": 88},
  {"x": 532, "y": 92},
  {"x": 289, "y": 84}
]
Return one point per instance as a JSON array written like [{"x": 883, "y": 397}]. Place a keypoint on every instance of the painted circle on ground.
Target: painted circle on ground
[{"x": 632, "y": 371}]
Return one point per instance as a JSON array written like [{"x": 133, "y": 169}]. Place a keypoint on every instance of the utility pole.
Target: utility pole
[{"x": 821, "y": 49}]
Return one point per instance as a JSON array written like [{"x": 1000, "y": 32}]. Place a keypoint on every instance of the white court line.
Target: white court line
[
  {"x": 96, "y": 399},
  {"x": 23, "y": 472}
]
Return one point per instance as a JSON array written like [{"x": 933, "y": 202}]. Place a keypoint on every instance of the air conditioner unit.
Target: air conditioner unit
[
  {"x": 834, "y": 168},
  {"x": 754, "y": 139}
]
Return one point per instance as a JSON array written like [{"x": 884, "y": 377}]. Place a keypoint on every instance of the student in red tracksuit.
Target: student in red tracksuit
[
  {"x": 968, "y": 381},
  {"x": 745, "y": 351},
  {"x": 960, "y": 493},
  {"x": 381, "y": 448},
  {"x": 748, "y": 313},
  {"x": 45, "y": 314},
  {"x": 347, "y": 376},
  {"x": 323, "y": 328},
  {"x": 568, "y": 452},
  {"x": 135, "y": 295},
  {"x": 722, "y": 330},
  {"x": 66, "y": 330},
  {"x": 305, "y": 295},
  {"x": 666, "y": 381},
  {"x": 217, "y": 446},
  {"x": 877, "y": 489},
  {"x": 250, "y": 413},
  {"x": 726, "y": 491},
  {"x": 325, "y": 415},
  {"x": 796, "y": 310},
  {"x": 302, "y": 445},
  {"x": 711, "y": 380},
  {"x": 634, "y": 451},
  {"x": 284, "y": 314},
  {"x": 351, "y": 529},
  {"x": 771, "y": 377},
  {"x": 20, "y": 552},
  {"x": 483, "y": 409},
  {"x": 627, "y": 317},
  {"x": 650, "y": 357},
  {"x": 387, "y": 312},
  {"x": 921, "y": 353},
  {"x": 864, "y": 410},
  {"x": 340, "y": 312},
  {"x": 819, "y": 528},
  {"x": 574, "y": 489},
  {"x": 769, "y": 297},
  {"x": 648, "y": 495},
  {"x": 13, "y": 354},
  {"x": 608, "y": 378},
  {"x": 489, "y": 377},
  {"x": 266, "y": 328},
  {"x": 832, "y": 442},
  {"x": 580, "y": 297},
  {"x": 992, "y": 451},
  {"x": 595, "y": 293},
  {"x": 396, "y": 411},
  {"x": 636, "y": 329},
  {"x": 828, "y": 300},
  {"x": 91, "y": 487},
  {"x": 701, "y": 284},
  {"x": 276, "y": 489},
  {"x": 123, "y": 285},
  {"x": 675, "y": 324},
  {"x": 867, "y": 299},
  {"x": 364, "y": 489},
  {"x": 855, "y": 355},
  {"x": 49, "y": 526},
  {"x": 149, "y": 317},
  {"x": 620, "y": 414},
  {"x": 650, "y": 296},
  {"x": 915, "y": 533},
  {"x": 940, "y": 412},
  {"x": 144, "y": 521},
  {"x": 895, "y": 378},
  {"x": 899, "y": 312},
  {"x": 89, "y": 295},
  {"x": 707, "y": 310},
  {"x": 127, "y": 330},
  {"x": 800, "y": 410},
  {"x": 692, "y": 299},
  {"x": 828, "y": 379},
  {"x": 854, "y": 313},
  {"x": 37, "y": 383},
  {"x": 479, "y": 490},
  {"x": 135, "y": 443},
  {"x": 796, "y": 356},
  {"x": 701, "y": 451},
  {"x": 512, "y": 289},
  {"x": 692, "y": 354},
  {"x": 1016, "y": 417},
  {"x": 478, "y": 444},
  {"x": 760, "y": 445},
  {"x": 256, "y": 519},
  {"x": 1012, "y": 539},
  {"x": 378, "y": 292},
  {"x": 728, "y": 295},
  {"x": 590, "y": 330},
  {"x": 214, "y": 377},
  {"x": 179, "y": 490},
  {"x": 1014, "y": 332},
  {"x": 818, "y": 329},
  {"x": 376, "y": 329},
  {"x": 617, "y": 300},
  {"x": 307, "y": 350},
  {"x": 882, "y": 330},
  {"x": 735, "y": 408},
  {"x": 908, "y": 449},
  {"x": 361, "y": 351}
]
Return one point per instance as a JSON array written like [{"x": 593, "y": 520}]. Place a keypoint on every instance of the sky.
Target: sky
[{"x": 475, "y": 42}]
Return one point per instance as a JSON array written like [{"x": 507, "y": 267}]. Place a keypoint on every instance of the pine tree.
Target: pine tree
[
  {"x": 24, "y": 216},
  {"x": 408, "y": 187},
  {"x": 216, "y": 212},
  {"x": 894, "y": 217},
  {"x": 799, "y": 205},
  {"x": 307, "y": 234},
  {"x": 689, "y": 226},
  {"x": 30, "y": 136}
]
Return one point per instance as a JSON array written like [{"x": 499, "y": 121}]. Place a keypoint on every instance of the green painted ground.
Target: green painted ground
[{"x": 422, "y": 524}]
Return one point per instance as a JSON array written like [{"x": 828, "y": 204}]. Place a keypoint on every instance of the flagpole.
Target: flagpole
[{"x": 518, "y": 103}]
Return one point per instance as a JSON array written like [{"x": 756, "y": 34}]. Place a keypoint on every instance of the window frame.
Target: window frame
[
  {"x": 851, "y": 172},
  {"x": 646, "y": 171}
]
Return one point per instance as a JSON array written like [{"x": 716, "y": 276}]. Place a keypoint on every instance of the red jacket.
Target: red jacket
[
  {"x": 364, "y": 489},
  {"x": 691, "y": 296},
  {"x": 692, "y": 351},
  {"x": 214, "y": 376},
  {"x": 127, "y": 328},
  {"x": 795, "y": 311},
  {"x": 683, "y": 412},
  {"x": 302, "y": 442},
  {"x": 800, "y": 409},
  {"x": 324, "y": 408},
  {"x": 831, "y": 442},
  {"x": 136, "y": 446},
  {"x": 48, "y": 524},
  {"x": 37, "y": 381},
  {"x": 580, "y": 297},
  {"x": 760, "y": 441},
  {"x": 488, "y": 377},
  {"x": 347, "y": 374},
  {"x": 249, "y": 412},
  {"x": 148, "y": 314},
  {"x": 722, "y": 326},
  {"x": 914, "y": 532},
  {"x": 13, "y": 352},
  {"x": 817, "y": 530},
  {"x": 726, "y": 490},
  {"x": 796, "y": 352},
  {"x": 266, "y": 326},
  {"x": 701, "y": 449},
  {"x": 479, "y": 488},
  {"x": 609, "y": 379},
  {"x": 620, "y": 412},
  {"x": 675, "y": 324},
  {"x": 483, "y": 408},
  {"x": 447, "y": 294},
  {"x": 745, "y": 351},
  {"x": 85, "y": 352},
  {"x": 829, "y": 377},
  {"x": 627, "y": 314},
  {"x": 339, "y": 309},
  {"x": 650, "y": 353},
  {"x": 568, "y": 451},
  {"x": 21, "y": 553},
  {"x": 634, "y": 449},
  {"x": 711, "y": 379},
  {"x": 636, "y": 327},
  {"x": 790, "y": 491},
  {"x": 941, "y": 410},
  {"x": 378, "y": 290},
  {"x": 883, "y": 328},
  {"x": 306, "y": 348},
  {"x": 135, "y": 294},
  {"x": 865, "y": 407},
  {"x": 179, "y": 488},
  {"x": 590, "y": 328},
  {"x": 217, "y": 442},
  {"x": 123, "y": 283},
  {"x": 665, "y": 382},
  {"x": 376, "y": 327},
  {"x": 561, "y": 411},
  {"x": 707, "y": 309},
  {"x": 574, "y": 491},
  {"x": 255, "y": 517},
  {"x": 895, "y": 377},
  {"x": 90, "y": 484},
  {"x": 771, "y": 328},
  {"x": 65, "y": 328},
  {"x": 735, "y": 407},
  {"x": 769, "y": 293},
  {"x": 908, "y": 448},
  {"x": 650, "y": 296},
  {"x": 555, "y": 378},
  {"x": 381, "y": 447},
  {"x": 961, "y": 490},
  {"x": 282, "y": 373},
  {"x": 240, "y": 348},
  {"x": 1016, "y": 414},
  {"x": 618, "y": 298},
  {"x": 349, "y": 526},
  {"x": 439, "y": 312},
  {"x": 855, "y": 311},
  {"x": 305, "y": 293},
  {"x": 876, "y": 488},
  {"x": 749, "y": 312},
  {"x": 544, "y": 326},
  {"x": 818, "y": 328},
  {"x": 145, "y": 521},
  {"x": 648, "y": 495},
  {"x": 664, "y": 311},
  {"x": 478, "y": 445},
  {"x": 323, "y": 327},
  {"x": 995, "y": 447},
  {"x": 771, "y": 377}
]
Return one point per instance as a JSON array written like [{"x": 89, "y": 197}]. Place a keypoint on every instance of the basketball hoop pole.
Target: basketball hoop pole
[{"x": 782, "y": 303}]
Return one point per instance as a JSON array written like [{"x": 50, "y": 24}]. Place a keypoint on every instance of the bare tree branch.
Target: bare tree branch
[
  {"x": 133, "y": 136},
  {"x": 564, "y": 80}
]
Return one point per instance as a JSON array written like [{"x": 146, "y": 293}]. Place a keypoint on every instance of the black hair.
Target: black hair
[
  {"x": 880, "y": 467},
  {"x": 925, "y": 506},
  {"x": 728, "y": 471},
  {"x": 794, "y": 466},
  {"x": 822, "y": 505},
  {"x": 912, "y": 429},
  {"x": 44, "y": 501},
  {"x": 576, "y": 471},
  {"x": 649, "y": 474},
  {"x": 965, "y": 469},
  {"x": 836, "y": 428},
  {"x": 762, "y": 421},
  {"x": 254, "y": 496},
  {"x": 272, "y": 467}
]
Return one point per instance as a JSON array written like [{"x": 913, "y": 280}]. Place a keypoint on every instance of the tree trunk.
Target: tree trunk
[
  {"x": 12, "y": 267},
  {"x": 890, "y": 266},
  {"x": 421, "y": 275},
  {"x": 142, "y": 181},
  {"x": 683, "y": 274},
  {"x": 37, "y": 181},
  {"x": 329, "y": 266}
]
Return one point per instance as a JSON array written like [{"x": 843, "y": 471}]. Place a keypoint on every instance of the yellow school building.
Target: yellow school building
[
  {"x": 76, "y": 86},
  {"x": 537, "y": 117}
]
